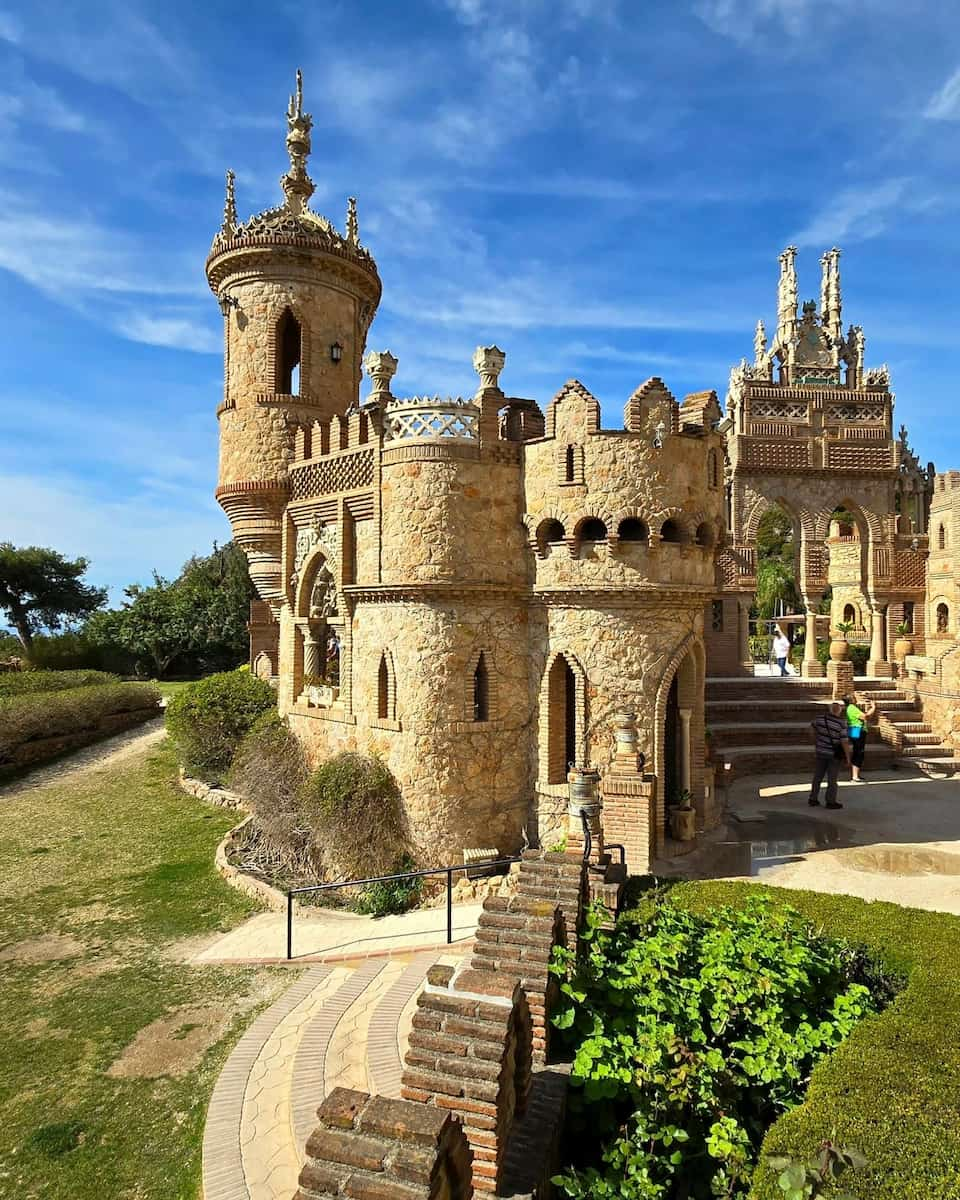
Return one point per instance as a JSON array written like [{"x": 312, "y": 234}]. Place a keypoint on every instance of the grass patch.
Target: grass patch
[
  {"x": 102, "y": 879},
  {"x": 893, "y": 1088}
]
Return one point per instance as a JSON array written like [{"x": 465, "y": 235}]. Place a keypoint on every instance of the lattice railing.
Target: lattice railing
[{"x": 426, "y": 417}]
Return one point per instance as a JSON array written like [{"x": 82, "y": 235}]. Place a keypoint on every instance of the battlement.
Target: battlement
[
  {"x": 945, "y": 481},
  {"x": 320, "y": 438}
]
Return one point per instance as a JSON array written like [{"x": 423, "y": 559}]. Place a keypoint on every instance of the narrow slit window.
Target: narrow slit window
[
  {"x": 570, "y": 465},
  {"x": 481, "y": 690},
  {"x": 383, "y": 690}
]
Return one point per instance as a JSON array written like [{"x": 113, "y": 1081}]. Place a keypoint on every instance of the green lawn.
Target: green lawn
[
  {"x": 104, "y": 884},
  {"x": 170, "y": 687}
]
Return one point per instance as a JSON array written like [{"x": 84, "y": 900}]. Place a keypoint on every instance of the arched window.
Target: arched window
[
  {"x": 632, "y": 529},
  {"x": 549, "y": 531},
  {"x": 713, "y": 469},
  {"x": 570, "y": 465},
  {"x": 943, "y": 618},
  {"x": 941, "y": 538},
  {"x": 908, "y": 614},
  {"x": 849, "y": 614},
  {"x": 591, "y": 529},
  {"x": 705, "y": 535},
  {"x": 383, "y": 690},
  {"x": 672, "y": 531},
  {"x": 288, "y": 354},
  {"x": 561, "y": 716},
  {"x": 481, "y": 690}
]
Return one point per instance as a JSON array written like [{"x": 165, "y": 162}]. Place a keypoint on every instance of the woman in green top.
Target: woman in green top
[{"x": 857, "y": 730}]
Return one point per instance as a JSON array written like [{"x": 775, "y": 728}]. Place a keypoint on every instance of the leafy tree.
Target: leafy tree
[
  {"x": 40, "y": 589},
  {"x": 198, "y": 621}
]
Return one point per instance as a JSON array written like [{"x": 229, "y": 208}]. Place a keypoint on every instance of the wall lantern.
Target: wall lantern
[
  {"x": 336, "y": 352},
  {"x": 658, "y": 433},
  {"x": 227, "y": 302}
]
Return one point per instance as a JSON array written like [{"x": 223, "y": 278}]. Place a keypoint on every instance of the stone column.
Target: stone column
[
  {"x": 877, "y": 664},
  {"x": 685, "y": 715},
  {"x": 812, "y": 667},
  {"x": 311, "y": 654},
  {"x": 840, "y": 675}
]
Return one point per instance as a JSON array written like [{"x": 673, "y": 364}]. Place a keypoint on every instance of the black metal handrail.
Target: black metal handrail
[{"x": 448, "y": 871}]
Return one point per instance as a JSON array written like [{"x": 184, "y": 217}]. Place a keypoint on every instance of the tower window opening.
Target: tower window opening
[
  {"x": 569, "y": 465},
  {"x": 289, "y": 350},
  {"x": 941, "y": 538},
  {"x": 908, "y": 614},
  {"x": 383, "y": 690},
  {"x": 592, "y": 530},
  {"x": 481, "y": 690},
  {"x": 632, "y": 529},
  {"x": 943, "y": 618}
]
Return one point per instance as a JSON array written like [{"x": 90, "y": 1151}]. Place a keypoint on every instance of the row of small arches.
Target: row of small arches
[{"x": 630, "y": 529}]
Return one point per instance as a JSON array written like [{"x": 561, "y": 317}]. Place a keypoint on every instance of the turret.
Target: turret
[{"x": 297, "y": 298}]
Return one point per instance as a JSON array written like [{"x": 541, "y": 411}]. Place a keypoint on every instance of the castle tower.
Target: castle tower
[{"x": 297, "y": 298}]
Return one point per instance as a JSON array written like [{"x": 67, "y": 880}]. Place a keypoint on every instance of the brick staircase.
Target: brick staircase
[{"x": 762, "y": 725}]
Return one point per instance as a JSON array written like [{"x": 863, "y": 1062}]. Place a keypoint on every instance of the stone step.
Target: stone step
[
  {"x": 922, "y": 739},
  {"x": 882, "y": 698},
  {"x": 931, "y": 752},
  {"x": 912, "y": 726}
]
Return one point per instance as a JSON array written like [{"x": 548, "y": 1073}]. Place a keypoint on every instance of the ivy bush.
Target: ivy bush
[
  {"x": 693, "y": 1032},
  {"x": 209, "y": 718}
]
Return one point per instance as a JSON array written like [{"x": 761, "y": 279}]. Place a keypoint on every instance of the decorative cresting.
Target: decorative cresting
[
  {"x": 488, "y": 362},
  {"x": 431, "y": 418},
  {"x": 293, "y": 223},
  {"x": 381, "y": 366}
]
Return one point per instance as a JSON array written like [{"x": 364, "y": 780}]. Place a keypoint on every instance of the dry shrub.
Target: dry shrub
[
  {"x": 352, "y": 804},
  {"x": 270, "y": 771}
]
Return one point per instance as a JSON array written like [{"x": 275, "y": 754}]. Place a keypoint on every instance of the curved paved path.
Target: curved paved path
[{"x": 341, "y": 1025}]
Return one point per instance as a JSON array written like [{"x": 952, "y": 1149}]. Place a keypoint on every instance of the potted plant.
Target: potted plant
[
  {"x": 839, "y": 647},
  {"x": 683, "y": 818},
  {"x": 903, "y": 645}
]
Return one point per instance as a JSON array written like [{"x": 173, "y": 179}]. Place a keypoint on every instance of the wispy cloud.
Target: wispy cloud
[
  {"x": 865, "y": 211},
  {"x": 179, "y": 333},
  {"x": 944, "y": 104}
]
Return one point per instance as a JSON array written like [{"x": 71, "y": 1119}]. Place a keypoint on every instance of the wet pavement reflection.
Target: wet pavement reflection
[{"x": 770, "y": 839}]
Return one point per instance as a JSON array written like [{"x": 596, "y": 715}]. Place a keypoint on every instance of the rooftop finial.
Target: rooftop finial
[
  {"x": 353, "y": 225},
  {"x": 297, "y": 184},
  {"x": 229, "y": 226}
]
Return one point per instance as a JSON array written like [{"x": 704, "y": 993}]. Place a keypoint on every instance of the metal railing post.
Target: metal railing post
[
  {"x": 289, "y": 925},
  {"x": 449, "y": 906}
]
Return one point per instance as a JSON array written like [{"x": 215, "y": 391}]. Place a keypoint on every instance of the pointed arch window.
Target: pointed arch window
[
  {"x": 941, "y": 538},
  {"x": 481, "y": 690},
  {"x": 386, "y": 690},
  {"x": 289, "y": 352}
]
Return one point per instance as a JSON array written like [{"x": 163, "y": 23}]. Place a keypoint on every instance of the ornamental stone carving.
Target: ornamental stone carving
[{"x": 488, "y": 362}]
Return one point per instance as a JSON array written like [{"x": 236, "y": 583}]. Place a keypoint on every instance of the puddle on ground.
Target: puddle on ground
[{"x": 756, "y": 846}]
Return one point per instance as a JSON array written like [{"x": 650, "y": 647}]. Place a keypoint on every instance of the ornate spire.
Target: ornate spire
[
  {"x": 760, "y": 345},
  {"x": 787, "y": 297},
  {"x": 830, "y": 306},
  {"x": 229, "y": 226},
  {"x": 353, "y": 225},
  {"x": 297, "y": 184}
]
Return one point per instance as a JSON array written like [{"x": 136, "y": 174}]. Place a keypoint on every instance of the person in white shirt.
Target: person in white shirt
[{"x": 781, "y": 650}]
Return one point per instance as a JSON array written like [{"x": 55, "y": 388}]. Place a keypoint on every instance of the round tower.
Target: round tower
[{"x": 297, "y": 298}]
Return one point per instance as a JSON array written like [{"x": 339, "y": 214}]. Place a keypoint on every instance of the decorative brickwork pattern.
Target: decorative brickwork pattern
[
  {"x": 775, "y": 456},
  {"x": 371, "y": 1148},
  {"x": 339, "y": 474}
]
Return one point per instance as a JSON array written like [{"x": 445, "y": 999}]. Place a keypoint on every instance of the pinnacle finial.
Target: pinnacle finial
[
  {"x": 297, "y": 184},
  {"x": 353, "y": 225},
  {"x": 229, "y": 226}
]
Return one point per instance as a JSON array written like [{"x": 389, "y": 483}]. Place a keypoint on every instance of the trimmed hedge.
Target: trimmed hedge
[
  {"x": 892, "y": 1090},
  {"x": 209, "y": 719},
  {"x": 22, "y": 683},
  {"x": 49, "y": 715}
]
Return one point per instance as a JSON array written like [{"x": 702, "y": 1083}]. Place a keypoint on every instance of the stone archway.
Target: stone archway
[{"x": 679, "y": 733}]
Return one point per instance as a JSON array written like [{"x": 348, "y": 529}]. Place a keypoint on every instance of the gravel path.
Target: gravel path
[{"x": 108, "y": 753}]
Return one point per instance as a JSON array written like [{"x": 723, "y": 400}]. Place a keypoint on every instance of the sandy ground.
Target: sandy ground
[{"x": 897, "y": 838}]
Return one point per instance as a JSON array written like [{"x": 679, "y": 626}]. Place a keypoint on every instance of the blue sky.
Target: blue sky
[{"x": 600, "y": 187}]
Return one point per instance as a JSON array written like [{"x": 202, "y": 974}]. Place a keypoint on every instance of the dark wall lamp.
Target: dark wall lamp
[
  {"x": 227, "y": 302},
  {"x": 336, "y": 352}
]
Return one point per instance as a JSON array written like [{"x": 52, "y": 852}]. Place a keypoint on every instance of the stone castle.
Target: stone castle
[{"x": 487, "y": 593}]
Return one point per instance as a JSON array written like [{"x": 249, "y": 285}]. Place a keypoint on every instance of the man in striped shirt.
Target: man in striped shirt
[{"x": 832, "y": 747}]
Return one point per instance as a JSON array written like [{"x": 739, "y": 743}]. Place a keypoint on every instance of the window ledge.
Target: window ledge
[
  {"x": 476, "y": 726},
  {"x": 386, "y": 723},
  {"x": 324, "y": 714}
]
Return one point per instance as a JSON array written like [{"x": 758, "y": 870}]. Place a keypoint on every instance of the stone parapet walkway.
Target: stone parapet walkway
[{"x": 344, "y": 1025}]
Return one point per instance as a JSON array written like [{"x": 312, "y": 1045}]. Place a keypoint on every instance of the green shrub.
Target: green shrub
[
  {"x": 352, "y": 803},
  {"x": 269, "y": 771},
  {"x": 856, "y": 652},
  {"x": 892, "y": 1089},
  {"x": 77, "y": 710},
  {"x": 693, "y": 1032},
  {"x": 20, "y": 683},
  {"x": 209, "y": 718},
  {"x": 395, "y": 896}
]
